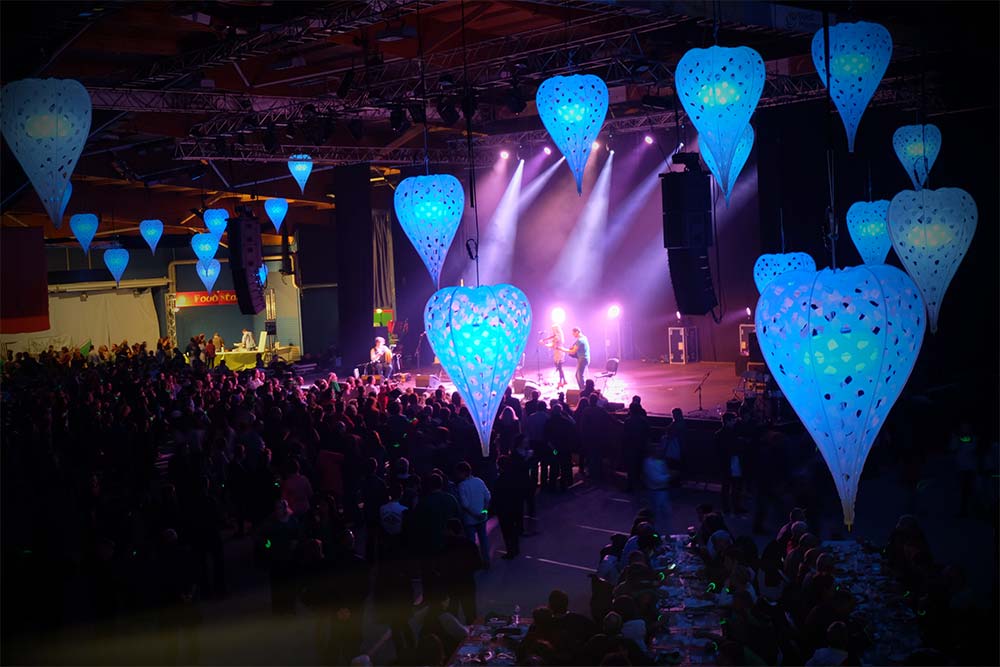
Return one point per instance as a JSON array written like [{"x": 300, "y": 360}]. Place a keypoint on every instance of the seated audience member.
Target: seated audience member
[
  {"x": 570, "y": 629},
  {"x": 835, "y": 652},
  {"x": 444, "y": 625}
]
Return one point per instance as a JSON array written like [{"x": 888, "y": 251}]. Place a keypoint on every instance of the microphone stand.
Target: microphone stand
[
  {"x": 698, "y": 389},
  {"x": 538, "y": 361}
]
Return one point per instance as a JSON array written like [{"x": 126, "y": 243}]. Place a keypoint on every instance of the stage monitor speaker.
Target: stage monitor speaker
[
  {"x": 422, "y": 381},
  {"x": 687, "y": 209},
  {"x": 530, "y": 387},
  {"x": 572, "y": 397},
  {"x": 517, "y": 385},
  {"x": 753, "y": 346},
  {"x": 691, "y": 278},
  {"x": 245, "y": 258}
]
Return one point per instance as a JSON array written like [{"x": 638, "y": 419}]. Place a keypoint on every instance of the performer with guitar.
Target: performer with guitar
[
  {"x": 555, "y": 341},
  {"x": 580, "y": 350},
  {"x": 381, "y": 358}
]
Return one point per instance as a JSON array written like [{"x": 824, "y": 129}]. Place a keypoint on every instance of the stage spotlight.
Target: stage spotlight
[
  {"x": 614, "y": 311},
  {"x": 749, "y": 314},
  {"x": 547, "y": 150},
  {"x": 447, "y": 111},
  {"x": 595, "y": 145},
  {"x": 397, "y": 120},
  {"x": 558, "y": 315},
  {"x": 504, "y": 155},
  {"x": 678, "y": 316},
  {"x": 648, "y": 139}
]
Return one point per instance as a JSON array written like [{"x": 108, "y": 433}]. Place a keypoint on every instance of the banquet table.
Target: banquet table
[
  {"x": 238, "y": 359},
  {"x": 492, "y": 642}
]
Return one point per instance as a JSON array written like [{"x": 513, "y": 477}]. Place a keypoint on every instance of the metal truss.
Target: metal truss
[
  {"x": 206, "y": 150},
  {"x": 189, "y": 101}
]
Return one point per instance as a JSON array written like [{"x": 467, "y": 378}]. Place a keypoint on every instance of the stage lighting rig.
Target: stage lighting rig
[{"x": 447, "y": 111}]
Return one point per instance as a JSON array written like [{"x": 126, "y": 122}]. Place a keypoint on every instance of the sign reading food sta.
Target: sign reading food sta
[{"x": 216, "y": 298}]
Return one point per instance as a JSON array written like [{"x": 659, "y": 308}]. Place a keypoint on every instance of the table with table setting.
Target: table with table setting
[{"x": 492, "y": 642}]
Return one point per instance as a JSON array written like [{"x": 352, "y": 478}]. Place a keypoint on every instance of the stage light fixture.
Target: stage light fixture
[
  {"x": 749, "y": 312},
  {"x": 46, "y": 123},
  {"x": 648, "y": 139},
  {"x": 84, "y": 227},
  {"x": 301, "y": 166},
  {"x": 418, "y": 113},
  {"x": 514, "y": 100},
  {"x": 614, "y": 311},
  {"x": 547, "y": 150},
  {"x": 116, "y": 259},
  {"x": 151, "y": 231},
  {"x": 917, "y": 147},
  {"x": 429, "y": 209},
  {"x": 447, "y": 111},
  {"x": 396, "y": 119},
  {"x": 594, "y": 146},
  {"x": 345, "y": 84},
  {"x": 356, "y": 127},
  {"x": 573, "y": 109},
  {"x": 504, "y": 155},
  {"x": 678, "y": 315},
  {"x": 558, "y": 315}
]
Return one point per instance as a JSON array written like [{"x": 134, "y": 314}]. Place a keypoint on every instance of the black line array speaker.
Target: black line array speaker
[
  {"x": 687, "y": 209},
  {"x": 245, "y": 258},
  {"x": 691, "y": 278}
]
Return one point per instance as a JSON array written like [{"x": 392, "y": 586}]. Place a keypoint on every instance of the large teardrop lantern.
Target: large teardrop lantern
[
  {"x": 205, "y": 245},
  {"x": 216, "y": 220},
  {"x": 151, "y": 231},
  {"x": 84, "y": 227},
  {"x": 208, "y": 272},
  {"x": 276, "y": 210},
  {"x": 866, "y": 223},
  {"x": 116, "y": 259},
  {"x": 301, "y": 166},
  {"x": 429, "y": 209},
  {"x": 573, "y": 109}
]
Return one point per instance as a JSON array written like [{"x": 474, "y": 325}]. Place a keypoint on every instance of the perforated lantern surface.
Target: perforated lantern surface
[
  {"x": 46, "y": 122},
  {"x": 208, "y": 271},
  {"x": 866, "y": 223},
  {"x": 84, "y": 227},
  {"x": 478, "y": 334},
  {"x": 573, "y": 109},
  {"x": 719, "y": 88},
  {"x": 116, "y": 259},
  {"x": 859, "y": 56},
  {"x": 769, "y": 267},
  {"x": 216, "y": 220},
  {"x": 301, "y": 166},
  {"x": 205, "y": 245},
  {"x": 276, "y": 210},
  {"x": 152, "y": 231},
  {"x": 262, "y": 274},
  {"x": 841, "y": 345},
  {"x": 743, "y": 148},
  {"x": 429, "y": 209},
  {"x": 931, "y": 231},
  {"x": 917, "y": 147}
]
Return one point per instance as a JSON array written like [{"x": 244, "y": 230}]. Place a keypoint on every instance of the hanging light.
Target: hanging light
[
  {"x": 479, "y": 334},
  {"x": 429, "y": 209},
  {"x": 46, "y": 123},
  {"x": 216, "y": 220},
  {"x": 205, "y": 245},
  {"x": 262, "y": 275},
  {"x": 859, "y": 55},
  {"x": 301, "y": 166},
  {"x": 931, "y": 231},
  {"x": 116, "y": 259},
  {"x": 84, "y": 226},
  {"x": 719, "y": 88},
  {"x": 208, "y": 271},
  {"x": 276, "y": 210},
  {"x": 573, "y": 109},
  {"x": 743, "y": 148},
  {"x": 866, "y": 222},
  {"x": 769, "y": 267},
  {"x": 151, "y": 231},
  {"x": 917, "y": 147},
  {"x": 841, "y": 345}
]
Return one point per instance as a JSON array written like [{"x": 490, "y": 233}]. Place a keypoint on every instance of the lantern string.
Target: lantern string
[
  {"x": 715, "y": 22},
  {"x": 423, "y": 90},
  {"x": 869, "y": 179},
  {"x": 469, "y": 110},
  {"x": 830, "y": 179}
]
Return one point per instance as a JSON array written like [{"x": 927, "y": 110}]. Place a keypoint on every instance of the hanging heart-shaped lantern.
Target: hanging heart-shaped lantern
[
  {"x": 931, "y": 231},
  {"x": 84, "y": 226},
  {"x": 866, "y": 222},
  {"x": 116, "y": 259},
  {"x": 478, "y": 334},
  {"x": 917, "y": 147},
  {"x": 262, "y": 275},
  {"x": 276, "y": 210},
  {"x": 301, "y": 166},
  {"x": 719, "y": 88},
  {"x": 429, "y": 209},
  {"x": 743, "y": 148},
  {"x": 859, "y": 55},
  {"x": 573, "y": 109},
  {"x": 205, "y": 245},
  {"x": 769, "y": 267},
  {"x": 841, "y": 345},
  {"x": 208, "y": 271},
  {"x": 65, "y": 203},
  {"x": 151, "y": 231},
  {"x": 46, "y": 123},
  {"x": 216, "y": 220}
]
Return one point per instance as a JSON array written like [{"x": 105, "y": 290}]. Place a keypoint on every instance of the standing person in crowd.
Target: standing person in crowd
[
  {"x": 474, "y": 498},
  {"x": 656, "y": 478},
  {"x": 508, "y": 505},
  {"x": 729, "y": 451},
  {"x": 635, "y": 442},
  {"x": 210, "y": 353}
]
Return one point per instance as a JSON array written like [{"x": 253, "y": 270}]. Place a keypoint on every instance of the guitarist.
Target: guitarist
[
  {"x": 555, "y": 341},
  {"x": 580, "y": 350}
]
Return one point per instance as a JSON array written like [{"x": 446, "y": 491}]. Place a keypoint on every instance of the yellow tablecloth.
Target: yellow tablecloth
[{"x": 238, "y": 360}]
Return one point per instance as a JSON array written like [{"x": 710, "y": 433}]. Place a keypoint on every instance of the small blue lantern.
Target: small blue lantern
[
  {"x": 205, "y": 245},
  {"x": 479, "y": 334},
  {"x": 262, "y": 275},
  {"x": 116, "y": 259},
  {"x": 859, "y": 55},
  {"x": 429, "y": 209},
  {"x": 931, "y": 231},
  {"x": 719, "y": 88},
  {"x": 573, "y": 109},
  {"x": 151, "y": 231},
  {"x": 769, "y": 267},
  {"x": 917, "y": 147},
  {"x": 301, "y": 166},
  {"x": 841, "y": 345},
  {"x": 208, "y": 271},
  {"x": 276, "y": 210},
  {"x": 216, "y": 220},
  {"x": 84, "y": 226},
  {"x": 743, "y": 148},
  {"x": 46, "y": 123},
  {"x": 866, "y": 222}
]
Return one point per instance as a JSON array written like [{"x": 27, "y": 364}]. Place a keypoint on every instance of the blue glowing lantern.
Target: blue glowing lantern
[
  {"x": 276, "y": 210},
  {"x": 84, "y": 226},
  {"x": 151, "y": 231},
  {"x": 208, "y": 271},
  {"x": 719, "y": 88},
  {"x": 116, "y": 259},
  {"x": 769, "y": 267},
  {"x": 205, "y": 245},
  {"x": 866, "y": 222},
  {"x": 429, "y": 209},
  {"x": 301, "y": 166},
  {"x": 262, "y": 275},
  {"x": 46, "y": 123},
  {"x": 65, "y": 202},
  {"x": 931, "y": 231},
  {"x": 743, "y": 148},
  {"x": 573, "y": 110},
  {"x": 478, "y": 334},
  {"x": 216, "y": 220},
  {"x": 859, "y": 56},
  {"x": 841, "y": 345},
  {"x": 917, "y": 147}
]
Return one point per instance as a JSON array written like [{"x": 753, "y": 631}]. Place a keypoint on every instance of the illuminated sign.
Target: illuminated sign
[{"x": 216, "y": 298}]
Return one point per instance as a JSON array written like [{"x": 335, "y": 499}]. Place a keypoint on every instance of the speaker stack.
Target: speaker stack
[
  {"x": 245, "y": 258},
  {"x": 687, "y": 235}
]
